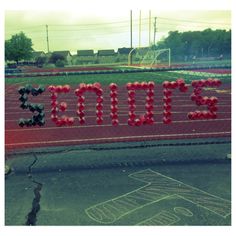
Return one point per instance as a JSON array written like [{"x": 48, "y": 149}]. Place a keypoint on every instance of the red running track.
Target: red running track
[{"x": 50, "y": 135}]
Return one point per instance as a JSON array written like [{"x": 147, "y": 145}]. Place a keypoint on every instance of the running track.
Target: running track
[{"x": 50, "y": 135}]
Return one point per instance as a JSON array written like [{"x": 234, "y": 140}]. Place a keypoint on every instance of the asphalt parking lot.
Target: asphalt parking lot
[{"x": 152, "y": 183}]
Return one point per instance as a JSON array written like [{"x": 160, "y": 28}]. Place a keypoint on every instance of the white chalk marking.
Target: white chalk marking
[{"x": 158, "y": 187}]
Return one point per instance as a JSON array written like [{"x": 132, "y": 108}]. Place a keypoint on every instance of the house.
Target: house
[
  {"x": 106, "y": 56},
  {"x": 66, "y": 55},
  {"x": 38, "y": 58},
  {"x": 123, "y": 53},
  {"x": 38, "y": 54},
  {"x": 34, "y": 59},
  {"x": 48, "y": 54},
  {"x": 85, "y": 57}
]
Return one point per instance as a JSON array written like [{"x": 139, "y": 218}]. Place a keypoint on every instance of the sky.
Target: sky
[{"x": 75, "y": 29}]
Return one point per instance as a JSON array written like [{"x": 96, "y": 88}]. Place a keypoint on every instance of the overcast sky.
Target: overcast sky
[{"x": 76, "y": 29}]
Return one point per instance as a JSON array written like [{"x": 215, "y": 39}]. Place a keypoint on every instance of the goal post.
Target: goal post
[{"x": 149, "y": 57}]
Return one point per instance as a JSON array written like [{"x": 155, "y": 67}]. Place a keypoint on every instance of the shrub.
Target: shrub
[
  {"x": 60, "y": 63},
  {"x": 40, "y": 61},
  {"x": 49, "y": 65}
]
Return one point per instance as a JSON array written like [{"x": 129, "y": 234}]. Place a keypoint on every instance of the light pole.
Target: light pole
[{"x": 155, "y": 30}]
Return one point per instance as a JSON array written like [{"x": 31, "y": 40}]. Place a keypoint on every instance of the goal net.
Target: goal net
[{"x": 150, "y": 58}]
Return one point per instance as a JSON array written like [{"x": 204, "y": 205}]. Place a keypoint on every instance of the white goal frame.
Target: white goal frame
[{"x": 151, "y": 56}]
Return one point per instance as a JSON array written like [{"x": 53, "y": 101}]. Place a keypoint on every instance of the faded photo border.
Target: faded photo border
[{"x": 86, "y": 5}]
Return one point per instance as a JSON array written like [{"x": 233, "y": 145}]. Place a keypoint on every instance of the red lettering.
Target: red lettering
[
  {"x": 210, "y": 102},
  {"x": 96, "y": 88},
  {"x": 114, "y": 104},
  {"x": 134, "y": 120},
  {"x": 180, "y": 84},
  {"x": 146, "y": 118},
  {"x": 56, "y": 107}
]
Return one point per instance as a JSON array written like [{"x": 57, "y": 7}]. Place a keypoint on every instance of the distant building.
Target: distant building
[
  {"x": 48, "y": 54},
  {"x": 33, "y": 61},
  {"x": 85, "y": 53},
  {"x": 38, "y": 54},
  {"x": 123, "y": 53},
  {"x": 64, "y": 54},
  {"x": 85, "y": 57},
  {"x": 106, "y": 56}
]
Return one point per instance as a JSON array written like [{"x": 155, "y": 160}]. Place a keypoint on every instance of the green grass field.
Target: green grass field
[{"x": 105, "y": 79}]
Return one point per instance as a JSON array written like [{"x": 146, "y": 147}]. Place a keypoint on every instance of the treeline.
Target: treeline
[{"x": 198, "y": 44}]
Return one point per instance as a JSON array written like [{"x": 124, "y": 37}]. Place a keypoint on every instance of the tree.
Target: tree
[
  {"x": 60, "y": 63},
  {"x": 19, "y": 47},
  {"x": 175, "y": 43},
  {"x": 189, "y": 44}
]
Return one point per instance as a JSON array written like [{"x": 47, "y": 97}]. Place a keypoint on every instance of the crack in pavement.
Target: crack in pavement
[{"x": 32, "y": 215}]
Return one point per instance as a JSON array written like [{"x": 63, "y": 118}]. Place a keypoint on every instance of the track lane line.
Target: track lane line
[
  {"x": 116, "y": 138},
  {"x": 106, "y": 125}
]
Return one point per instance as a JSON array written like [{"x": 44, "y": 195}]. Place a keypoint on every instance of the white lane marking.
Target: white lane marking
[
  {"x": 114, "y": 138},
  {"x": 107, "y": 125}
]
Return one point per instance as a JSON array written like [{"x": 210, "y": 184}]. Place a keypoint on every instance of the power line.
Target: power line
[
  {"x": 96, "y": 24},
  {"x": 75, "y": 30},
  {"x": 121, "y": 22},
  {"x": 191, "y": 21},
  {"x": 30, "y": 27},
  {"x": 143, "y": 19},
  {"x": 8, "y": 32},
  {"x": 161, "y": 26},
  {"x": 120, "y": 27}
]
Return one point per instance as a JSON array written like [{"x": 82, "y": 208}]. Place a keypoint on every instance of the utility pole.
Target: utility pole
[
  {"x": 149, "y": 28},
  {"x": 47, "y": 37},
  {"x": 139, "y": 44},
  {"x": 155, "y": 30},
  {"x": 131, "y": 29},
  {"x": 131, "y": 35}
]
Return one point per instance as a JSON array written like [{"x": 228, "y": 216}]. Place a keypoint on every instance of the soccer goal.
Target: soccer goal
[{"x": 149, "y": 58}]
